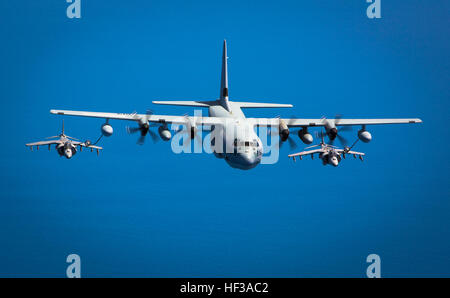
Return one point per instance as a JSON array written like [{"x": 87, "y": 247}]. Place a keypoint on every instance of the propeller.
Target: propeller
[
  {"x": 144, "y": 129},
  {"x": 288, "y": 138},
  {"x": 191, "y": 131},
  {"x": 333, "y": 132}
]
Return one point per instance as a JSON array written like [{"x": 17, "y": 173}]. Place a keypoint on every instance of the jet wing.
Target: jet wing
[
  {"x": 86, "y": 146},
  {"x": 92, "y": 146},
  {"x": 42, "y": 143},
  {"x": 350, "y": 152},
  {"x": 306, "y": 153}
]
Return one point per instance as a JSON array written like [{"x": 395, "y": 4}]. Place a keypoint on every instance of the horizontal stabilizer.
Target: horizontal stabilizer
[
  {"x": 187, "y": 103},
  {"x": 262, "y": 105}
]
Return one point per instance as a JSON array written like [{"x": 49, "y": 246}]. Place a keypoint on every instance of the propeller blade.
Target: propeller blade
[
  {"x": 292, "y": 143},
  {"x": 153, "y": 135},
  {"x": 132, "y": 130},
  {"x": 342, "y": 140},
  {"x": 141, "y": 140},
  {"x": 198, "y": 139},
  {"x": 346, "y": 128}
]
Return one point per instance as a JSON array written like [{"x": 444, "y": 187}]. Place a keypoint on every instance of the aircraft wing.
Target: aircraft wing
[
  {"x": 92, "y": 146},
  {"x": 293, "y": 122},
  {"x": 42, "y": 143},
  {"x": 350, "y": 152},
  {"x": 306, "y": 153},
  {"x": 86, "y": 146},
  {"x": 181, "y": 120},
  {"x": 207, "y": 121}
]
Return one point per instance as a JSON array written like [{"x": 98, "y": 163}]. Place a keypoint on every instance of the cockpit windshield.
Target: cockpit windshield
[{"x": 245, "y": 143}]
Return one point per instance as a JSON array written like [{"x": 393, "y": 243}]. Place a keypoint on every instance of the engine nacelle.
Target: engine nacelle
[
  {"x": 87, "y": 143},
  {"x": 107, "y": 130},
  {"x": 364, "y": 136},
  {"x": 164, "y": 133},
  {"x": 283, "y": 131},
  {"x": 305, "y": 136}
]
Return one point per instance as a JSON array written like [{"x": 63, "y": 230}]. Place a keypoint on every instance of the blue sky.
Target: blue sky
[{"x": 145, "y": 211}]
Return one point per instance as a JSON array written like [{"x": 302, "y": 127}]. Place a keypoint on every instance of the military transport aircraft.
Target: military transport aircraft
[
  {"x": 329, "y": 154},
  {"x": 65, "y": 145},
  {"x": 236, "y": 140}
]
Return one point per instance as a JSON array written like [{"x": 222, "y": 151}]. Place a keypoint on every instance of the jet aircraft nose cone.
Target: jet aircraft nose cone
[
  {"x": 334, "y": 162},
  {"x": 68, "y": 153}
]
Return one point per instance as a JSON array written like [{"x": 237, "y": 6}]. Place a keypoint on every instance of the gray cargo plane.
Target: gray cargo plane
[
  {"x": 65, "y": 145},
  {"x": 239, "y": 144}
]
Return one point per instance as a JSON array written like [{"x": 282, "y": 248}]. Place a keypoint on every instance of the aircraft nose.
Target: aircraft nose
[
  {"x": 334, "y": 162},
  {"x": 68, "y": 153},
  {"x": 249, "y": 159}
]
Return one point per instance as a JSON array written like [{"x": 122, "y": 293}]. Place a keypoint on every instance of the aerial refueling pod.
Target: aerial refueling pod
[
  {"x": 107, "y": 130},
  {"x": 305, "y": 136},
  {"x": 164, "y": 133},
  {"x": 364, "y": 135}
]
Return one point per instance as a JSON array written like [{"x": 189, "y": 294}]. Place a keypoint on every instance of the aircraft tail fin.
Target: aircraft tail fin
[{"x": 223, "y": 99}]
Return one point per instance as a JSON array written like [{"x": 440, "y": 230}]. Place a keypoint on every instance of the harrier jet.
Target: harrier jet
[
  {"x": 65, "y": 145},
  {"x": 329, "y": 154},
  {"x": 235, "y": 138}
]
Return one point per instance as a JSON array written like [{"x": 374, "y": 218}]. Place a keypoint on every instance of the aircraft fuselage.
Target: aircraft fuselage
[
  {"x": 242, "y": 148},
  {"x": 66, "y": 149}
]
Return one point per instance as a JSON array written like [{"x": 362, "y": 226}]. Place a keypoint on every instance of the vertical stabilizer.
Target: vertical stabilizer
[
  {"x": 224, "y": 79},
  {"x": 62, "y": 131}
]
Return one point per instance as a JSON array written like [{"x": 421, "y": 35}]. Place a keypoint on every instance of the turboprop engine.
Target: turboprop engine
[{"x": 283, "y": 131}]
